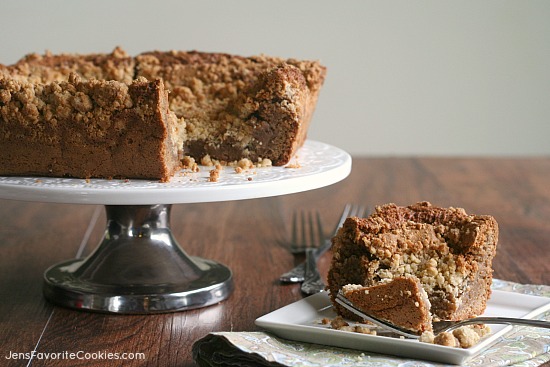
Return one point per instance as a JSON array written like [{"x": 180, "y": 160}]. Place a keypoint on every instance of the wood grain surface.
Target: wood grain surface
[{"x": 245, "y": 235}]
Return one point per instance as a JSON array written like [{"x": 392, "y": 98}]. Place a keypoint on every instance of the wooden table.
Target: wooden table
[{"x": 244, "y": 235}]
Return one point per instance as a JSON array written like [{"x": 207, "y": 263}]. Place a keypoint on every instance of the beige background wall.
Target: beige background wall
[{"x": 405, "y": 77}]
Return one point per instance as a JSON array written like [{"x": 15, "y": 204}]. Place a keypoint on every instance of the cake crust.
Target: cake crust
[{"x": 448, "y": 250}]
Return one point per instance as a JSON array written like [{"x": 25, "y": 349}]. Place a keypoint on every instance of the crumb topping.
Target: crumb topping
[{"x": 36, "y": 109}]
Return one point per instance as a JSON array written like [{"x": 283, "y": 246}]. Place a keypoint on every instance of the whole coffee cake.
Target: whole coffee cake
[
  {"x": 449, "y": 251},
  {"x": 216, "y": 106}
]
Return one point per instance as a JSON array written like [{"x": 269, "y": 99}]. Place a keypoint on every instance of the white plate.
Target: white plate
[
  {"x": 315, "y": 165},
  {"x": 301, "y": 321}
]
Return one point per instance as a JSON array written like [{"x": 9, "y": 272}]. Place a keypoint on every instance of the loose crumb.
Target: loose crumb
[
  {"x": 362, "y": 329},
  {"x": 481, "y": 329},
  {"x": 463, "y": 337},
  {"x": 338, "y": 323},
  {"x": 207, "y": 161},
  {"x": 427, "y": 337},
  {"x": 466, "y": 337},
  {"x": 190, "y": 164},
  {"x": 214, "y": 175},
  {"x": 264, "y": 162},
  {"x": 446, "y": 339},
  {"x": 245, "y": 163},
  {"x": 293, "y": 165}
]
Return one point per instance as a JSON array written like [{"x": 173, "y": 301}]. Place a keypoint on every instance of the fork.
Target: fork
[
  {"x": 438, "y": 326},
  {"x": 304, "y": 232},
  {"x": 302, "y": 238},
  {"x": 296, "y": 275},
  {"x": 313, "y": 283}
]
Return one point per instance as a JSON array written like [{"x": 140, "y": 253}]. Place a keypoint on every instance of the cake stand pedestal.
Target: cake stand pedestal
[{"x": 139, "y": 267}]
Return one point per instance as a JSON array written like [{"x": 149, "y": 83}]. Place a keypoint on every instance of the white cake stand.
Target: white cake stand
[{"x": 138, "y": 267}]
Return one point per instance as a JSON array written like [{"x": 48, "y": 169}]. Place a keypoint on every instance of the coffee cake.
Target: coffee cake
[
  {"x": 449, "y": 251},
  {"x": 220, "y": 107}
]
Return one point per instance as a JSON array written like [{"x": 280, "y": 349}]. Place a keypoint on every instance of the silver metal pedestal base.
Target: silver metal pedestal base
[{"x": 138, "y": 268}]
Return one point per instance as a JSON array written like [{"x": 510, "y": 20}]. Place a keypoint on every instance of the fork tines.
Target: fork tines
[{"x": 307, "y": 231}]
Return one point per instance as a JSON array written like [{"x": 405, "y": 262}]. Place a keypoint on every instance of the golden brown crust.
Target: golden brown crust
[{"x": 449, "y": 251}]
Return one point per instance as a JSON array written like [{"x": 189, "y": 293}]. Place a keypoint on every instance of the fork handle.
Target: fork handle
[
  {"x": 312, "y": 283},
  {"x": 501, "y": 320},
  {"x": 296, "y": 275}
]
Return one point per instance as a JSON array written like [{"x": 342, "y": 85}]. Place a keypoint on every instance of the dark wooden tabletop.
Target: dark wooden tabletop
[{"x": 244, "y": 236}]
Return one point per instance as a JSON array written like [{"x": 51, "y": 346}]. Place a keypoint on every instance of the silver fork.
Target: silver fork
[
  {"x": 300, "y": 243},
  {"x": 307, "y": 232},
  {"x": 312, "y": 279},
  {"x": 296, "y": 275},
  {"x": 304, "y": 231},
  {"x": 438, "y": 326}
]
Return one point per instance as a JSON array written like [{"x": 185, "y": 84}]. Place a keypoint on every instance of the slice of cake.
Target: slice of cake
[
  {"x": 449, "y": 251},
  {"x": 227, "y": 107},
  {"x": 402, "y": 301}
]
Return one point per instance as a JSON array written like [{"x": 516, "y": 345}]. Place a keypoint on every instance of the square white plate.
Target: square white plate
[{"x": 301, "y": 321}]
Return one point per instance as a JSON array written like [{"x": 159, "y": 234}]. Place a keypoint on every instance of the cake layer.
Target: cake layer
[{"x": 449, "y": 251}]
